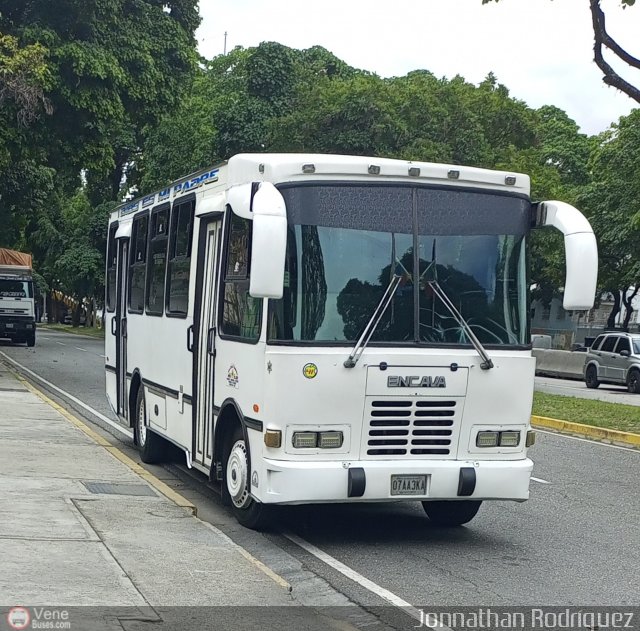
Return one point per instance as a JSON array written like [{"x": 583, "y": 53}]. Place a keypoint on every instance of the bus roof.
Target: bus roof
[{"x": 287, "y": 167}]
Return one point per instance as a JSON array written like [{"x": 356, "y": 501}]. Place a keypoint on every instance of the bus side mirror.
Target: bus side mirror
[
  {"x": 581, "y": 252},
  {"x": 268, "y": 242}
]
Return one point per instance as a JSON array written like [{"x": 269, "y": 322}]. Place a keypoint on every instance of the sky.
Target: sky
[{"x": 541, "y": 50}]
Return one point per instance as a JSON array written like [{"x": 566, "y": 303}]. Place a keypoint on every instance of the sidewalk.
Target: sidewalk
[{"x": 78, "y": 528}]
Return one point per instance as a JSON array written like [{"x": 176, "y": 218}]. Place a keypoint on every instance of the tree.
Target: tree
[
  {"x": 80, "y": 81},
  {"x": 612, "y": 200},
  {"x": 112, "y": 66},
  {"x": 603, "y": 41}
]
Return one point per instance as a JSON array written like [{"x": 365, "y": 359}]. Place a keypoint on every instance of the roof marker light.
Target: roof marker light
[
  {"x": 308, "y": 168},
  {"x": 261, "y": 168},
  {"x": 374, "y": 169},
  {"x": 414, "y": 171},
  {"x": 453, "y": 174},
  {"x": 510, "y": 180}
]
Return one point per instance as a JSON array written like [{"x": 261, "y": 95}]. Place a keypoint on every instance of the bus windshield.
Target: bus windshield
[{"x": 346, "y": 242}]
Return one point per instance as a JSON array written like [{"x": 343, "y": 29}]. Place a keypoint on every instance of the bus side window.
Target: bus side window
[
  {"x": 138, "y": 262},
  {"x": 112, "y": 261},
  {"x": 180, "y": 258},
  {"x": 241, "y": 314},
  {"x": 157, "y": 261}
]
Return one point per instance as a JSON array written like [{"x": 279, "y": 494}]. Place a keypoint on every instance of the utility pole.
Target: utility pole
[{"x": 225, "y": 42}]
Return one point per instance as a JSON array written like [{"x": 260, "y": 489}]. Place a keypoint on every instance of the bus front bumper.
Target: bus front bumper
[{"x": 286, "y": 482}]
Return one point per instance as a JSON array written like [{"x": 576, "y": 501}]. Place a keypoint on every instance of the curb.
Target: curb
[
  {"x": 147, "y": 476},
  {"x": 588, "y": 431}
]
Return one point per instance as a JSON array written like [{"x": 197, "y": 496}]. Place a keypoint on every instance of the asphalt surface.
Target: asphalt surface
[
  {"x": 574, "y": 388},
  {"x": 574, "y": 543}
]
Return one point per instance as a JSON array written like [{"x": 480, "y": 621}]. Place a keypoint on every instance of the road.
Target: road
[
  {"x": 573, "y": 388},
  {"x": 574, "y": 543}
]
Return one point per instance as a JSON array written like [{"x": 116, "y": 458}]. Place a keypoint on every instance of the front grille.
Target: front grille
[{"x": 411, "y": 427}]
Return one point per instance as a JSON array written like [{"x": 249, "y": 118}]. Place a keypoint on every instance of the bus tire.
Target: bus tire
[
  {"x": 31, "y": 340},
  {"x": 454, "y": 513},
  {"x": 235, "y": 485},
  {"x": 151, "y": 446}
]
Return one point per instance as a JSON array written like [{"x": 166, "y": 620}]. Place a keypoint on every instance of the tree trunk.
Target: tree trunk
[
  {"x": 628, "y": 306},
  {"x": 615, "y": 310}
]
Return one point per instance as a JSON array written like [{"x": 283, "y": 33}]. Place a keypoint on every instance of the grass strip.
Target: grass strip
[{"x": 625, "y": 418}]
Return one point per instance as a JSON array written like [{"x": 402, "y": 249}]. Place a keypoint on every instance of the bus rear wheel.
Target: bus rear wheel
[
  {"x": 235, "y": 485},
  {"x": 151, "y": 446},
  {"x": 454, "y": 513}
]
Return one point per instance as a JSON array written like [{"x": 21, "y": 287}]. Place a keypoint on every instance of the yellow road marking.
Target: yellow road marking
[{"x": 155, "y": 482}]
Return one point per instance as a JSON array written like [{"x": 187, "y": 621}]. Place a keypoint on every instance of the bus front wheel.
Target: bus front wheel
[
  {"x": 249, "y": 512},
  {"x": 454, "y": 513},
  {"x": 151, "y": 446}
]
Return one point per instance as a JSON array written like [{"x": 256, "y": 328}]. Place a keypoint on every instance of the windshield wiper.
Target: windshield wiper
[
  {"x": 369, "y": 330},
  {"x": 457, "y": 316}
]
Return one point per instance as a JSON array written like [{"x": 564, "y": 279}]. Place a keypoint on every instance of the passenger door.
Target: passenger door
[
  {"x": 620, "y": 363},
  {"x": 204, "y": 336},
  {"x": 606, "y": 358}
]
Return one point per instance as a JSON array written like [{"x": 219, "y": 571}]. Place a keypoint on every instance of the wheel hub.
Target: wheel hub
[
  {"x": 237, "y": 475},
  {"x": 142, "y": 427}
]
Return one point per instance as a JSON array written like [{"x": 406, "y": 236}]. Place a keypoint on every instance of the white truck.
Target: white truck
[{"x": 17, "y": 305}]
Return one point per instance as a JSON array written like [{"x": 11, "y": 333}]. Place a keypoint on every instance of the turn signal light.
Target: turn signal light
[
  {"x": 273, "y": 438},
  {"x": 531, "y": 438}
]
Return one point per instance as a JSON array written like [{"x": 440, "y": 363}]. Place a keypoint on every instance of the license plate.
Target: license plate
[
  {"x": 408, "y": 485},
  {"x": 9, "y": 325}
]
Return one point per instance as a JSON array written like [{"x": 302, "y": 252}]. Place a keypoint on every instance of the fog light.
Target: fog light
[
  {"x": 273, "y": 438},
  {"x": 509, "y": 439},
  {"x": 487, "y": 439},
  {"x": 329, "y": 440},
  {"x": 305, "y": 440},
  {"x": 531, "y": 438}
]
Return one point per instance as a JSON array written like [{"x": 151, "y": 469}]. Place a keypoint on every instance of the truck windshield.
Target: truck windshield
[
  {"x": 345, "y": 243},
  {"x": 15, "y": 288}
]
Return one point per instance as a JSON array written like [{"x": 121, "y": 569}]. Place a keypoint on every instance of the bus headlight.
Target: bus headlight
[
  {"x": 509, "y": 439},
  {"x": 323, "y": 440},
  {"x": 498, "y": 439},
  {"x": 305, "y": 440},
  {"x": 487, "y": 439},
  {"x": 330, "y": 440}
]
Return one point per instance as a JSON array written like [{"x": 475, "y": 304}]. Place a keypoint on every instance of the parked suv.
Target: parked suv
[{"x": 614, "y": 358}]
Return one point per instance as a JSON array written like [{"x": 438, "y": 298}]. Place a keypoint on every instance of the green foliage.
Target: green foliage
[
  {"x": 79, "y": 82},
  {"x": 612, "y": 200}
]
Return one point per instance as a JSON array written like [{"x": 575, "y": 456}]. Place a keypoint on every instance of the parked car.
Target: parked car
[{"x": 614, "y": 358}]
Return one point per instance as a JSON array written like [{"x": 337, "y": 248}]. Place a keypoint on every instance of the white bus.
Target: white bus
[{"x": 324, "y": 328}]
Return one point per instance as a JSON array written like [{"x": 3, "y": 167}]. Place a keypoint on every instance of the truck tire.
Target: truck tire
[
  {"x": 235, "y": 481},
  {"x": 151, "y": 446},
  {"x": 453, "y": 513},
  {"x": 31, "y": 339}
]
